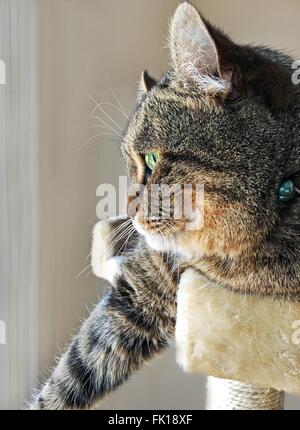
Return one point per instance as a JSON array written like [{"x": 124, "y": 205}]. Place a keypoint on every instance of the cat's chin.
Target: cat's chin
[
  {"x": 177, "y": 246},
  {"x": 155, "y": 240}
]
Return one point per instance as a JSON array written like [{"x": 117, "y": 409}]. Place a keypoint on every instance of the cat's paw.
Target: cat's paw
[{"x": 105, "y": 259}]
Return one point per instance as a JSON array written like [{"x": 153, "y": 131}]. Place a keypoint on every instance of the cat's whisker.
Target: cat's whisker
[
  {"x": 118, "y": 102},
  {"x": 84, "y": 270},
  {"x": 94, "y": 144},
  {"x": 117, "y": 229},
  {"x": 168, "y": 250},
  {"x": 172, "y": 226},
  {"x": 99, "y": 106},
  {"x": 106, "y": 125},
  {"x": 129, "y": 233},
  {"x": 117, "y": 239},
  {"x": 136, "y": 252},
  {"x": 127, "y": 241},
  {"x": 88, "y": 274},
  {"x": 90, "y": 140},
  {"x": 115, "y": 107},
  {"x": 109, "y": 248},
  {"x": 113, "y": 240},
  {"x": 94, "y": 126}
]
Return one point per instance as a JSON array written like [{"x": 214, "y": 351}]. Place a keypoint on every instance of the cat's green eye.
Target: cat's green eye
[
  {"x": 286, "y": 190},
  {"x": 151, "y": 159}
]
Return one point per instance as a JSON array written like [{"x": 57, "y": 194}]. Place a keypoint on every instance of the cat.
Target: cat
[{"x": 224, "y": 115}]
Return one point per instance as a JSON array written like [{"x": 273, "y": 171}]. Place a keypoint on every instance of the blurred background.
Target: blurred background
[{"x": 62, "y": 58}]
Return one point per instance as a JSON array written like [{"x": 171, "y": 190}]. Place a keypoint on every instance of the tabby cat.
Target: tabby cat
[{"x": 226, "y": 116}]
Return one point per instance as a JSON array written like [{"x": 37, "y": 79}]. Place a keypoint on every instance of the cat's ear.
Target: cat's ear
[
  {"x": 196, "y": 51},
  {"x": 146, "y": 84}
]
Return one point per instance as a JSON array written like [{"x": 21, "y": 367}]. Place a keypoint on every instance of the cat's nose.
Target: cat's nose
[
  {"x": 133, "y": 204},
  {"x": 134, "y": 195}
]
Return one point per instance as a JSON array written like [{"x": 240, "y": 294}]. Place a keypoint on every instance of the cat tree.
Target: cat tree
[{"x": 249, "y": 346}]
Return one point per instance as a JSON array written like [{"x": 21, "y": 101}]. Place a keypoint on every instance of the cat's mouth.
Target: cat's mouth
[
  {"x": 168, "y": 239},
  {"x": 156, "y": 239}
]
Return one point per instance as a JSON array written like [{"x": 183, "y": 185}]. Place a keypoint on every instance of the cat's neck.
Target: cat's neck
[{"x": 263, "y": 273}]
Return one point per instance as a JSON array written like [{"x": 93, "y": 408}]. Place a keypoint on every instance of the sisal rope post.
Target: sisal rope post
[{"x": 225, "y": 394}]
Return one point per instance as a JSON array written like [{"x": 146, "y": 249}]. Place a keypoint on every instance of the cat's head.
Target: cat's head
[{"x": 227, "y": 117}]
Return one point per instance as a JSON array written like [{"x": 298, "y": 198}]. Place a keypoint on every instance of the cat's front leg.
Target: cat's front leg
[{"x": 134, "y": 320}]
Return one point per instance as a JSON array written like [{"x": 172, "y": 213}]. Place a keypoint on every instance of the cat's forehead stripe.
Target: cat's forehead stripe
[
  {"x": 148, "y": 109},
  {"x": 202, "y": 101}
]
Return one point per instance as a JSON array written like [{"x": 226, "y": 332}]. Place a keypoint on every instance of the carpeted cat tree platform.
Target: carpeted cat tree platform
[{"x": 248, "y": 346}]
